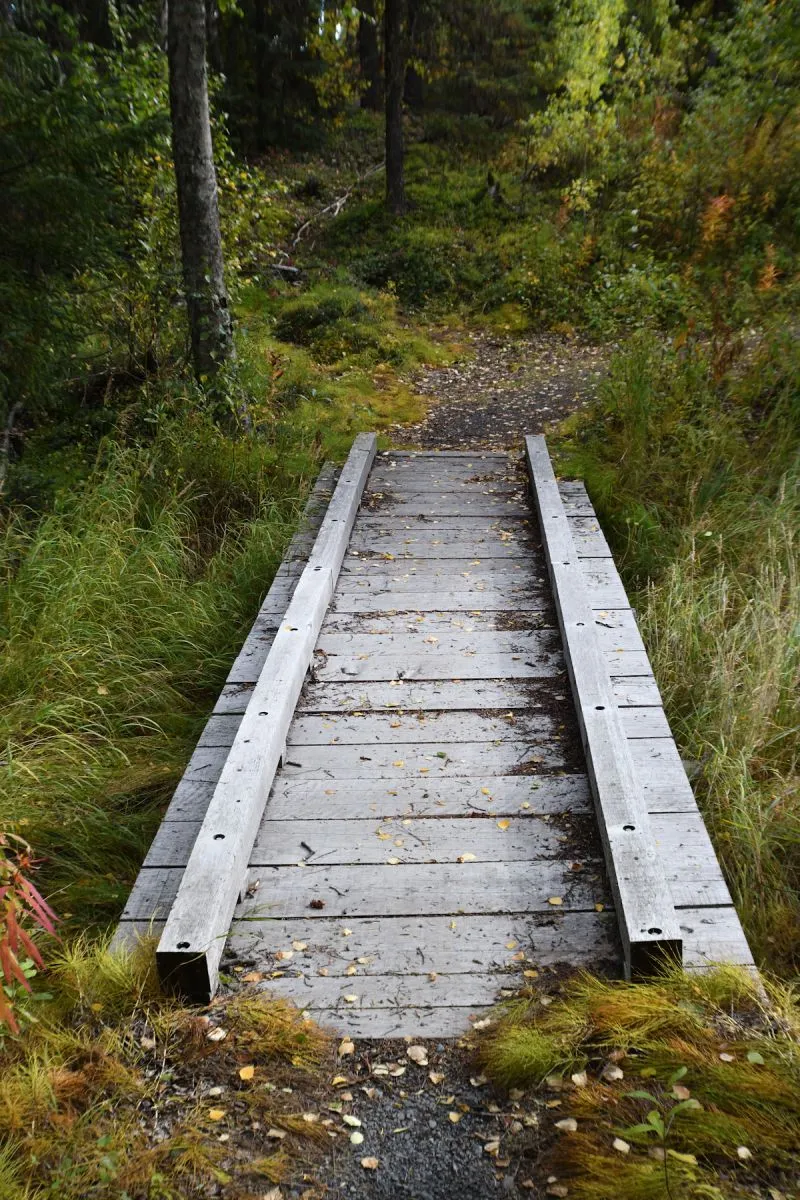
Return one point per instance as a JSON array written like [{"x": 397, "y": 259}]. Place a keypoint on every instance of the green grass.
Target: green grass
[
  {"x": 109, "y": 1056},
  {"x": 694, "y": 470},
  {"x": 665, "y": 1039},
  {"x": 121, "y": 610}
]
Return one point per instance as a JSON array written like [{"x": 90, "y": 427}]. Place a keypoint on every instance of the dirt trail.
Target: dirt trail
[{"x": 503, "y": 388}]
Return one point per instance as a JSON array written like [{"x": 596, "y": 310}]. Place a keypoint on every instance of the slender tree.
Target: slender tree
[
  {"x": 369, "y": 56},
  {"x": 198, "y": 210},
  {"x": 394, "y": 53}
]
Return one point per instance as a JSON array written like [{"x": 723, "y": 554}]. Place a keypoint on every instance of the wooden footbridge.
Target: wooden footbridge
[{"x": 439, "y": 766}]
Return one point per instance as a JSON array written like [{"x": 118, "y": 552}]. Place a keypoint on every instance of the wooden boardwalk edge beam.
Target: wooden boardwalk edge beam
[
  {"x": 197, "y": 925},
  {"x": 648, "y": 924}
]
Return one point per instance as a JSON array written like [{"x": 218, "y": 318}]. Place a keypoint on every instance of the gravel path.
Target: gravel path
[
  {"x": 502, "y": 389},
  {"x": 435, "y": 1130}
]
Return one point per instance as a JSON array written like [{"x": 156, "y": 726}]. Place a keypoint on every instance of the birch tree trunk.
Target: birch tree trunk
[
  {"x": 395, "y": 78},
  {"x": 210, "y": 323}
]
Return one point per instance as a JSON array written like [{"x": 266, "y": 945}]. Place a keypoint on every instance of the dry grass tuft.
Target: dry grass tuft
[
  {"x": 118, "y": 1090},
  {"x": 708, "y": 1065}
]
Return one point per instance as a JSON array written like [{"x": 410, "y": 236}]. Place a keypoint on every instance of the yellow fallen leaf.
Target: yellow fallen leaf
[
  {"x": 511, "y": 945},
  {"x": 555, "y": 900},
  {"x": 216, "y": 1114},
  {"x": 455, "y": 1117},
  {"x": 503, "y": 824},
  {"x": 531, "y": 974},
  {"x": 246, "y": 1073},
  {"x": 462, "y": 858},
  {"x": 252, "y": 977},
  {"x": 400, "y": 763},
  {"x": 485, "y": 792}
]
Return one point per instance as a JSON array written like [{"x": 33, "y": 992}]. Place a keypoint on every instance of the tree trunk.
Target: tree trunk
[
  {"x": 369, "y": 56},
  {"x": 412, "y": 90},
  {"x": 395, "y": 73},
  {"x": 198, "y": 211}
]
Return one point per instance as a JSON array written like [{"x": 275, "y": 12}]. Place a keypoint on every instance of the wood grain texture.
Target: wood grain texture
[
  {"x": 193, "y": 938},
  {"x": 644, "y": 903},
  {"x": 443, "y": 889},
  {"x": 389, "y": 945},
  {"x": 502, "y": 796}
]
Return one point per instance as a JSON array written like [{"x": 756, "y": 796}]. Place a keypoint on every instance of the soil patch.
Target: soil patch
[{"x": 502, "y": 389}]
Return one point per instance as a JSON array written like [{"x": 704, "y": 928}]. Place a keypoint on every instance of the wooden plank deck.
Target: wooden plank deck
[{"x": 430, "y": 835}]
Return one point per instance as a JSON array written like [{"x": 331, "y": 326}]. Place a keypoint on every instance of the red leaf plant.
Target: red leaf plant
[{"x": 20, "y": 901}]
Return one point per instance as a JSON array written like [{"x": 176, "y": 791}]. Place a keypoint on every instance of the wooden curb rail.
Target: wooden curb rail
[
  {"x": 648, "y": 924},
  {"x": 193, "y": 938}
]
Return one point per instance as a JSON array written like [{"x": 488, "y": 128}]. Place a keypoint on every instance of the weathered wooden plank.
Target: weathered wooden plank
[
  {"x": 418, "y": 639},
  {"x": 445, "y": 474},
  {"x": 173, "y": 843},
  {"x": 432, "y": 505},
  {"x": 662, "y": 776},
  {"x": 635, "y": 690},
  {"x": 451, "y": 570},
  {"x": 468, "y": 582},
  {"x": 387, "y": 546},
  {"x": 417, "y": 840},
  {"x": 589, "y": 538},
  {"x": 394, "y": 992},
  {"x": 374, "y": 891},
  {"x": 713, "y": 935},
  {"x": 435, "y": 622},
  {"x": 435, "y": 664},
  {"x": 192, "y": 941},
  {"x": 153, "y": 894},
  {"x": 483, "y": 694},
  {"x": 643, "y": 900},
  {"x": 440, "y": 944},
  {"x": 433, "y": 759},
  {"x": 465, "y": 600},
  {"x": 501, "y": 796},
  {"x": 602, "y": 583},
  {"x": 438, "y": 1023},
  {"x": 368, "y": 729}
]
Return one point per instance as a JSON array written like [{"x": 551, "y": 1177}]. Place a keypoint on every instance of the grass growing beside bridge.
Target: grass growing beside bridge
[
  {"x": 683, "y": 1088},
  {"x": 694, "y": 466},
  {"x": 119, "y": 1091}
]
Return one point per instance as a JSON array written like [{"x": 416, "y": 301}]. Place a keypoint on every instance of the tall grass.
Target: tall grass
[
  {"x": 120, "y": 611},
  {"x": 697, "y": 473}
]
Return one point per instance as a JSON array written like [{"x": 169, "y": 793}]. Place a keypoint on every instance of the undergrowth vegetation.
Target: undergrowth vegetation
[
  {"x": 118, "y": 1091},
  {"x": 692, "y": 455},
  {"x": 612, "y": 170},
  {"x": 684, "y": 1087}
]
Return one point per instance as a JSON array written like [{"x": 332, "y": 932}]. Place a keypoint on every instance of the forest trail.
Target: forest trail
[{"x": 502, "y": 388}]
